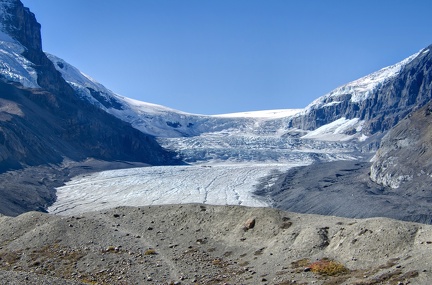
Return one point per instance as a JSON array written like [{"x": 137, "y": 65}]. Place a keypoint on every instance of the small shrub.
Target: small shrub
[{"x": 328, "y": 267}]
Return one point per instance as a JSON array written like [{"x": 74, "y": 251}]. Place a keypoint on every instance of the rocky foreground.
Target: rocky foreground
[{"x": 202, "y": 244}]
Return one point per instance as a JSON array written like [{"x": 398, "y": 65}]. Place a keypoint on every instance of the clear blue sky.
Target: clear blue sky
[{"x": 221, "y": 56}]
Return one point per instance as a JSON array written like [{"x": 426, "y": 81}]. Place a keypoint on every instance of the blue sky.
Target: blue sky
[{"x": 222, "y": 56}]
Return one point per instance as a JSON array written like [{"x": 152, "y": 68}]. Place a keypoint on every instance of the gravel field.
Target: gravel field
[{"x": 203, "y": 244}]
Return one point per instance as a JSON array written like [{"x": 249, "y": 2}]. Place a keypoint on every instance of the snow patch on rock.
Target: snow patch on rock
[
  {"x": 339, "y": 130},
  {"x": 13, "y": 66}
]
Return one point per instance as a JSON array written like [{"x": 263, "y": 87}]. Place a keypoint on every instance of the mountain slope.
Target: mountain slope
[
  {"x": 45, "y": 127},
  {"x": 49, "y": 121},
  {"x": 381, "y": 99},
  {"x": 370, "y": 105}
]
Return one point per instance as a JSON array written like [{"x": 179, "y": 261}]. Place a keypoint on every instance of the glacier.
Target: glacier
[
  {"x": 14, "y": 67},
  {"x": 227, "y": 154},
  {"x": 157, "y": 185}
]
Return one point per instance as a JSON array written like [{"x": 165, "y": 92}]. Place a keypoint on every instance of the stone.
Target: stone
[{"x": 249, "y": 224}]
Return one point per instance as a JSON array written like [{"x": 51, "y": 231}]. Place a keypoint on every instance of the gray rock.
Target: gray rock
[{"x": 404, "y": 159}]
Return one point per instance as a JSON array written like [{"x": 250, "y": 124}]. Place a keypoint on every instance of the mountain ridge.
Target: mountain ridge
[
  {"x": 362, "y": 99},
  {"x": 325, "y": 109}
]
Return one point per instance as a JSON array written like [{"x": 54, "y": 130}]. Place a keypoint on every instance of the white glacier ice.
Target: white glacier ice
[{"x": 216, "y": 184}]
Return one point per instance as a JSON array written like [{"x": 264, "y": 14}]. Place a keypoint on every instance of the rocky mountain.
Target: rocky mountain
[
  {"x": 44, "y": 125},
  {"x": 397, "y": 182},
  {"x": 354, "y": 116},
  {"x": 336, "y": 123},
  {"x": 380, "y": 99},
  {"x": 43, "y": 121},
  {"x": 372, "y": 104},
  {"x": 57, "y": 125}
]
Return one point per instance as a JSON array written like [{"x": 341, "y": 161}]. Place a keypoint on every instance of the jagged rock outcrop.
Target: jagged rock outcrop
[
  {"x": 21, "y": 24},
  {"x": 382, "y": 99},
  {"x": 404, "y": 159}
]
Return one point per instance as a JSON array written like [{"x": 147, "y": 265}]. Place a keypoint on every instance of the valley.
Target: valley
[
  {"x": 99, "y": 188},
  {"x": 225, "y": 168}
]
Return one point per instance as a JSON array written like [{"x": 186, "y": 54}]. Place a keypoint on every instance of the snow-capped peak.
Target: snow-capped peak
[
  {"x": 72, "y": 75},
  {"x": 362, "y": 88},
  {"x": 155, "y": 119}
]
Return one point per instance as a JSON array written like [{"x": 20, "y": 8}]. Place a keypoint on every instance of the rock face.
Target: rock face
[
  {"x": 51, "y": 123},
  {"x": 404, "y": 159},
  {"x": 21, "y": 24},
  {"x": 381, "y": 99}
]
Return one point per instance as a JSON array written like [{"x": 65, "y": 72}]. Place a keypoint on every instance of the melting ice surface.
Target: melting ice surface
[
  {"x": 224, "y": 169},
  {"x": 211, "y": 184}
]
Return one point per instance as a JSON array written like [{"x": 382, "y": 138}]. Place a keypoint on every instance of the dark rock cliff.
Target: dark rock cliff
[
  {"x": 410, "y": 90},
  {"x": 21, "y": 24}
]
